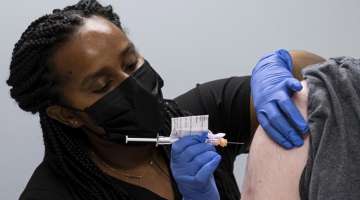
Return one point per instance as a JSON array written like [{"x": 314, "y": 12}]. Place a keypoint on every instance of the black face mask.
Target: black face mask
[
  {"x": 133, "y": 108},
  {"x": 149, "y": 79}
]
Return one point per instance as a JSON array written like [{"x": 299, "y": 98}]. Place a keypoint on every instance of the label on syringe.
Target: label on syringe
[{"x": 190, "y": 125}]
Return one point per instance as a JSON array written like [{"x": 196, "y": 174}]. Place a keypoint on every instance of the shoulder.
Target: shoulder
[
  {"x": 213, "y": 93},
  {"x": 45, "y": 184}
]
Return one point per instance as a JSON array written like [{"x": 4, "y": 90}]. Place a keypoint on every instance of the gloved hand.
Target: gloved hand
[
  {"x": 272, "y": 85},
  {"x": 193, "y": 163}
]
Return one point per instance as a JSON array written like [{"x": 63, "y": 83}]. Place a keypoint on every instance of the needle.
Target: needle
[{"x": 235, "y": 143}]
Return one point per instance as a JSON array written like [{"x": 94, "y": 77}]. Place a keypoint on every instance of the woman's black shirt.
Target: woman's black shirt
[{"x": 226, "y": 101}]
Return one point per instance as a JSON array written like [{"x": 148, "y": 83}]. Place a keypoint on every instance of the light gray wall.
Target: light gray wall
[{"x": 188, "y": 42}]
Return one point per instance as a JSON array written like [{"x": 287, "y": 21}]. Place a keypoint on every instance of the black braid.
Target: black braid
[{"x": 33, "y": 86}]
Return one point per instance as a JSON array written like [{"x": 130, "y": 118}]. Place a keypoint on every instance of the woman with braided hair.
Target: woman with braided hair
[{"x": 78, "y": 70}]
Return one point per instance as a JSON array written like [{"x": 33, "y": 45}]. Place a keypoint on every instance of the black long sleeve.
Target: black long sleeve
[{"x": 227, "y": 102}]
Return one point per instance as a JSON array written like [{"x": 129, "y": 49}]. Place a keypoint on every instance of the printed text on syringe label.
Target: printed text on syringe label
[{"x": 190, "y": 125}]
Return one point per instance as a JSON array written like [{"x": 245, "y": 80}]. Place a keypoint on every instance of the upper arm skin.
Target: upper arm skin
[{"x": 272, "y": 172}]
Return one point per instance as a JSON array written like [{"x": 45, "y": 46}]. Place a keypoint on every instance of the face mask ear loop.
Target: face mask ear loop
[
  {"x": 78, "y": 110},
  {"x": 96, "y": 134},
  {"x": 72, "y": 108}
]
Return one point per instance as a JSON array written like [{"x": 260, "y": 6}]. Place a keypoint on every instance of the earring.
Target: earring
[{"x": 74, "y": 124}]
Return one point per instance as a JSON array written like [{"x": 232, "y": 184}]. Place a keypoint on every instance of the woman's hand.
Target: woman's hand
[
  {"x": 193, "y": 163},
  {"x": 272, "y": 85}
]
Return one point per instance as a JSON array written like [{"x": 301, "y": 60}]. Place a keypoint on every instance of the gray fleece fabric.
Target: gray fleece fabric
[{"x": 333, "y": 167}]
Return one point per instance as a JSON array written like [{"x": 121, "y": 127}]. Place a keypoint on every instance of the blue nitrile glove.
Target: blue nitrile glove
[
  {"x": 193, "y": 163},
  {"x": 272, "y": 85}
]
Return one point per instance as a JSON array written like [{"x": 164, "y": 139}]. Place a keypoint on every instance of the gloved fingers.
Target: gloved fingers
[
  {"x": 265, "y": 57},
  {"x": 262, "y": 62},
  {"x": 286, "y": 57},
  {"x": 185, "y": 179},
  {"x": 206, "y": 171},
  {"x": 293, "y": 84},
  {"x": 192, "y": 151},
  {"x": 278, "y": 121},
  {"x": 272, "y": 132},
  {"x": 293, "y": 114},
  {"x": 191, "y": 168},
  {"x": 180, "y": 145},
  {"x": 182, "y": 169},
  {"x": 201, "y": 159}
]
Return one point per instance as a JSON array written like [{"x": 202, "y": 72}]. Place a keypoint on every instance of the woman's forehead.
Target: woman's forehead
[
  {"x": 95, "y": 42},
  {"x": 98, "y": 24},
  {"x": 97, "y": 33}
]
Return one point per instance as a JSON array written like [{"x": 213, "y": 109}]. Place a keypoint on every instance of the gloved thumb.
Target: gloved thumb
[
  {"x": 207, "y": 170},
  {"x": 293, "y": 84},
  {"x": 286, "y": 57}
]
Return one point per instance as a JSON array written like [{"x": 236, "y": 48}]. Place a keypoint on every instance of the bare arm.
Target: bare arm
[{"x": 272, "y": 172}]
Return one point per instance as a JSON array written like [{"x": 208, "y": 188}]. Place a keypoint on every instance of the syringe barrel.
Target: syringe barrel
[
  {"x": 129, "y": 139},
  {"x": 159, "y": 140},
  {"x": 165, "y": 140}
]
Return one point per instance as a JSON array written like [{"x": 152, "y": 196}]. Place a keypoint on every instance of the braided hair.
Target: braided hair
[{"x": 33, "y": 85}]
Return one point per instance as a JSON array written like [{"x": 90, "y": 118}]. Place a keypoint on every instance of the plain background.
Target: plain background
[{"x": 187, "y": 42}]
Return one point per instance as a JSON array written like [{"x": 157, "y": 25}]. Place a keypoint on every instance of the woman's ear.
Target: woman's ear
[{"x": 64, "y": 116}]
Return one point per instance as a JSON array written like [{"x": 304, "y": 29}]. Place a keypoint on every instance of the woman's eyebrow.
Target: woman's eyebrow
[
  {"x": 128, "y": 49},
  {"x": 101, "y": 72}
]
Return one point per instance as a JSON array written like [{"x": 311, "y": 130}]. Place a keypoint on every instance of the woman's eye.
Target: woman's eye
[
  {"x": 130, "y": 67},
  {"x": 104, "y": 88}
]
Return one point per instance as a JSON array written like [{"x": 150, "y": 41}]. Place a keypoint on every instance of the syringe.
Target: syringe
[
  {"x": 162, "y": 140},
  {"x": 159, "y": 140}
]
